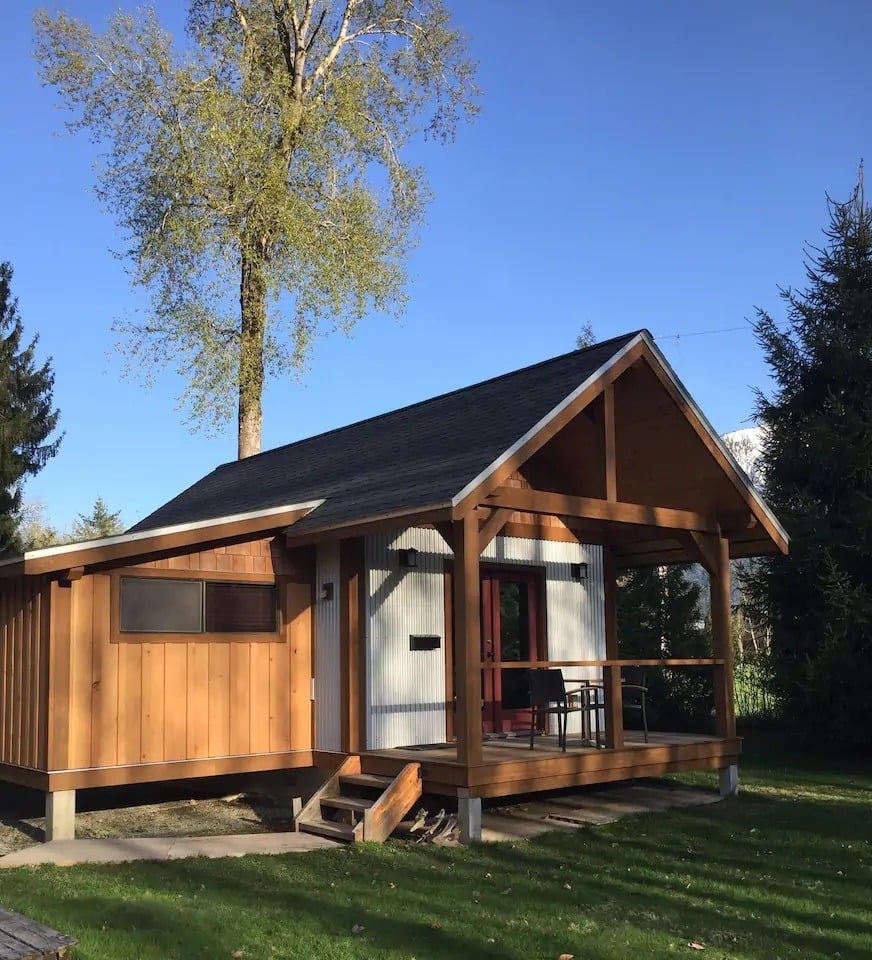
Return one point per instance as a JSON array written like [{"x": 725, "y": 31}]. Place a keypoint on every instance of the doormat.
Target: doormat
[{"x": 431, "y": 746}]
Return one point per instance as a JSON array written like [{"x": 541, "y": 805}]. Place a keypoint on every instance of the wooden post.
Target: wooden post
[
  {"x": 722, "y": 641},
  {"x": 351, "y": 593},
  {"x": 467, "y": 638},
  {"x": 609, "y": 429},
  {"x": 614, "y": 703}
]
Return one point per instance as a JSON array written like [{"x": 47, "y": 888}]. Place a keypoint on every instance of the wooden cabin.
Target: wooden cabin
[{"x": 343, "y": 599}]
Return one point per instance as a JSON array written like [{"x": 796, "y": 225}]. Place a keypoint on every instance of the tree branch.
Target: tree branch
[{"x": 342, "y": 38}]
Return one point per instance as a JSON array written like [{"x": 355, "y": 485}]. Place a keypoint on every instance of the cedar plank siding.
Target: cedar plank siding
[
  {"x": 23, "y": 660},
  {"x": 134, "y": 701}
]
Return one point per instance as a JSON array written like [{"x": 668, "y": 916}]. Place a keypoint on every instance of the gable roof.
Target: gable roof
[
  {"x": 415, "y": 458},
  {"x": 414, "y": 464}
]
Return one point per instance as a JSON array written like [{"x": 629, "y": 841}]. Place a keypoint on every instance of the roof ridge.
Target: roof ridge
[{"x": 439, "y": 396}]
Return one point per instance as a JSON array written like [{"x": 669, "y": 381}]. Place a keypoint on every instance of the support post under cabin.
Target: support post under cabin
[
  {"x": 469, "y": 817},
  {"x": 60, "y": 815}
]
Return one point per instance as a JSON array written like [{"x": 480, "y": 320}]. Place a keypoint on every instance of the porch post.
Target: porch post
[
  {"x": 722, "y": 642},
  {"x": 467, "y": 638},
  {"x": 614, "y": 704}
]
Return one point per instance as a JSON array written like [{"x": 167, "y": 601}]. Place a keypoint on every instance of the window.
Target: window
[
  {"x": 240, "y": 607},
  {"x": 161, "y": 606},
  {"x": 156, "y": 605}
]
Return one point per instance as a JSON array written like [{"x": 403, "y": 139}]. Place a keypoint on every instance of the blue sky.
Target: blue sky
[{"x": 635, "y": 164}]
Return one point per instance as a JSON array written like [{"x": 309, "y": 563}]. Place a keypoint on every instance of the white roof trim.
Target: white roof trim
[
  {"x": 60, "y": 550},
  {"x": 715, "y": 436},
  {"x": 513, "y": 449}
]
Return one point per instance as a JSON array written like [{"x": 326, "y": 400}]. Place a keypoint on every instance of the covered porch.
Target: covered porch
[{"x": 628, "y": 465}]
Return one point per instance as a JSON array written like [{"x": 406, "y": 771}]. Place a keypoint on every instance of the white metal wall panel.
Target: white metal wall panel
[
  {"x": 328, "y": 710},
  {"x": 405, "y": 690}
]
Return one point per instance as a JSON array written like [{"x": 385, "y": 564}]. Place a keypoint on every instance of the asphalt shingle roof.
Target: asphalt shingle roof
[{"x": 406, "y": 459}]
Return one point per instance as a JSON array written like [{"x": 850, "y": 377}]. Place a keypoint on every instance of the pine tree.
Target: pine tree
[
  {"x": 817, "y": 458},
  {"x": 660, "y": 615},
  {"x": 99, "y": 523},
  {"x": 27, "y": 417}
]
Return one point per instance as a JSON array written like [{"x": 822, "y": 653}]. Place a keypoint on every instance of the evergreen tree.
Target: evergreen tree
[
  {"x": 99, "y": 523},
  {"x": 660, "y": 615},
  {"x": 817, "y": 458},
  {"x": 27, "y": 418}
]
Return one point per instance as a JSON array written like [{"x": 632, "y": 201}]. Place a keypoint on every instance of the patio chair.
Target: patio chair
[
  {"x": 549, "y": 697},
  {"x": 633, "y": 682}
]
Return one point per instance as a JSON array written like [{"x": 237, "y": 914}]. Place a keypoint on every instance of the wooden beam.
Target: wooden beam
[
  {"x": 68, "y": 576},
  {"x": 722, "y": 641},
  {"x": 444, "y": 529},
  {"x": 589, "y": 508},
  {"x": 506, "y": 467},
  {"x": 351, "y": 632},
  {"x": 492, "y": 526},
  {"x": 701, "y": 546},
  {"x": 467, "y": 639},
  {"x": 609, "y": 430},
  {"x": 612, "y": 693},
  {"x": 80, "y": 779}
]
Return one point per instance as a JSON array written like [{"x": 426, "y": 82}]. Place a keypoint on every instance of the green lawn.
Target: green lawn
[{"x": 783, "y": 871}]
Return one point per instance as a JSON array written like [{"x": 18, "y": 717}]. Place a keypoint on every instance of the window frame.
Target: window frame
[{"x": 201, "y": 576}]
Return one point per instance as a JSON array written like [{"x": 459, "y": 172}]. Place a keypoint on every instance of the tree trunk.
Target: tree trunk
[{"x": 252, "y": 301}]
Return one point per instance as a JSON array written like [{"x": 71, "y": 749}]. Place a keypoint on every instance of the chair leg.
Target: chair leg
[
  {"x": 532, "y": 725},
  {"x": 565, "y": 725},
  {"x": 596, "y": 719},
  {"x": 644, "y": 718}
]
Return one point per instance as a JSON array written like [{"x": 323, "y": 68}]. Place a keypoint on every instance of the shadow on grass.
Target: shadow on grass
[{"x": 758, "y": 877}]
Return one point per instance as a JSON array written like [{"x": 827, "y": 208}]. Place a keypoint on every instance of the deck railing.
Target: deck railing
[{"x": 611, "y": 682}]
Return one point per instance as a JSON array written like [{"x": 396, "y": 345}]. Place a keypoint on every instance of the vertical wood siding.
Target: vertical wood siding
[
  {"x": 133, "y": 702},
  {"x": 23, "y": 659},
  {"x": 328, "y": 654},
  {"x": 405, "y": 690}
]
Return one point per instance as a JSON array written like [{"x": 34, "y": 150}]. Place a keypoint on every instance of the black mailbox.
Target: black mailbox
[{"x": 419, "y": 642}]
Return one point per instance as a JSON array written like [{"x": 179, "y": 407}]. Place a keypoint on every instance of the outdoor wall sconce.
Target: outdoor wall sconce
[
  {"x": 578, "y": 572},
  {"x": 409, "y": 558},
  {"x": 326, "y": 591}
]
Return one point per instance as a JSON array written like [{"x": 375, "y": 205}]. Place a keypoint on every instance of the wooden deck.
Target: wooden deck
[{"x": 510, "y": 768}]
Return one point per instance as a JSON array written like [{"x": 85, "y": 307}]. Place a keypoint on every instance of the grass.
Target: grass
[{"x": 783, "y": 871}]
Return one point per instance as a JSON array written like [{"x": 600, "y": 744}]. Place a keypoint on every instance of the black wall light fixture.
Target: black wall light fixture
[
  {"x": 327, "y": 591},
  {"x": 409, "y": 558},
  {"x": 578, "y": 572}
]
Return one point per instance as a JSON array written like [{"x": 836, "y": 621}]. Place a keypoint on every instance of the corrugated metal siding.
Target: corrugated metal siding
[
  {"x": 405, "y": 693},
  {"x": 328, "y": 709},
  {"x": 405, "y": 690}
]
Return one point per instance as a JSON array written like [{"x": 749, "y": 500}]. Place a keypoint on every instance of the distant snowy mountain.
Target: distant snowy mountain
[{"x": 746, "y": 445}]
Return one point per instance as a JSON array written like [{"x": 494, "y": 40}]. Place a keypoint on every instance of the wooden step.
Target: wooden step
[
  {"x": 365, "y": 780},
  {"x": 347, "y": 803},
  {"x": 329, "y": 828}
]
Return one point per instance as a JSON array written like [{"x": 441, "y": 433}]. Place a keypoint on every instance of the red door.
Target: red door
[{"x": 510, "y": 601}]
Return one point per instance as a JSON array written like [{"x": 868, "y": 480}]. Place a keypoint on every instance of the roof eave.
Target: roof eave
[{"x": 127, "y": 547}]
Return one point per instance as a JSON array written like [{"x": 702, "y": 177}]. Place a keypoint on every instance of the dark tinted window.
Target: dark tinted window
[{"x": 241, "y": 607}]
